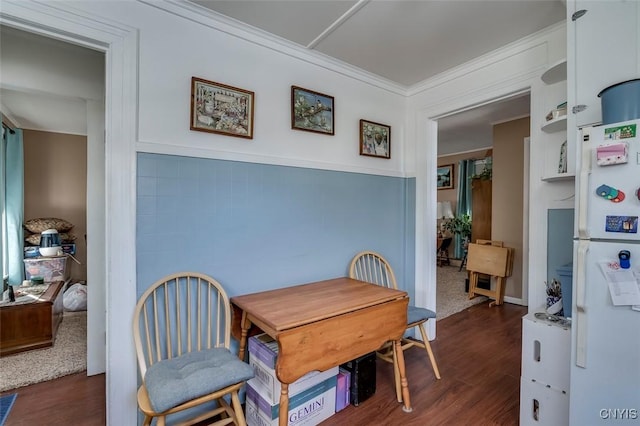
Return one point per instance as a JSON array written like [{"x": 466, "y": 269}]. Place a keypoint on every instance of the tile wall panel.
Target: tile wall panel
[{"x": 255, "y": 227}]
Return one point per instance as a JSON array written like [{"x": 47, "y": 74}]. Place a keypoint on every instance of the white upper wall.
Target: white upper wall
[
  {"x": 173, "y": 49},
  {"x": 46, "y": 66},
  {"x": 45, "y": 83}
]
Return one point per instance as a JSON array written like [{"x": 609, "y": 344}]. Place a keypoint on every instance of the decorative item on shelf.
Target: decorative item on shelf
[
  {"x": 559, "y": 111},
  {"x": 554, "y": 298},
  {"x": 562, "y": 165}
]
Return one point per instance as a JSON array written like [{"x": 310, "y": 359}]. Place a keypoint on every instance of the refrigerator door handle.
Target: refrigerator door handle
[
  {"x": 583, "y": 183},
  {"x": 580, "y": 322}
]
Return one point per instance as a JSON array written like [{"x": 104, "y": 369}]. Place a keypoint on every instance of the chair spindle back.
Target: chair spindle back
[
  {"x": 181, "y": 313},
  {"x": 373, "y": 268}
]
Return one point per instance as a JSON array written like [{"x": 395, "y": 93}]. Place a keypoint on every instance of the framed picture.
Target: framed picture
[
  {"x": 375, "y": 139},
  {"x": 218, "y": 108},
  {"x": 445, "y": 177},
  {"x": 311, "y": 111}
]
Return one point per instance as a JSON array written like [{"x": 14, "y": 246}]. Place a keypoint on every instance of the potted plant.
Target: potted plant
[{"x": 459, "y": 225}]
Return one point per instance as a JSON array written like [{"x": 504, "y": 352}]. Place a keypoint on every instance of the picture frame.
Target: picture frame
[
  {"x": 220, "y": 108},
  {"x": 375, "y": 139},
  {"x": 312, "y": 111},
  {"x": 445, "y": 177}
]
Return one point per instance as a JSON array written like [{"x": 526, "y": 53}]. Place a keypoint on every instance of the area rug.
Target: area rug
[
  {"x": 450, "y": 295},
  {"x": 67, "y": 356},
  {"x": 6, "y": 402}
]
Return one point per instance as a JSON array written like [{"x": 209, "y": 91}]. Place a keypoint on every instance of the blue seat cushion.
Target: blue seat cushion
[
  {"x": 415, "y": 314},
  {"x": 174, "y": 381}
]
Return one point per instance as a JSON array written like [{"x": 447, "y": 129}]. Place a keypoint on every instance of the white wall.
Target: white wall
[
  {"x": 51, "y": 67},
  {"x": 45, "y": 82}
]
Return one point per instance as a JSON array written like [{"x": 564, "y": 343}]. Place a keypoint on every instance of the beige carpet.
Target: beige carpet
[
  {"x": 67, "y": 356},
  {"x": 450, "y": 295}
]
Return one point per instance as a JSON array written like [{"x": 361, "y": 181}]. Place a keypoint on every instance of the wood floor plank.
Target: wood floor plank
[
  {"x": 75, "y": 400},
  {"x": 477, "y": 350}
]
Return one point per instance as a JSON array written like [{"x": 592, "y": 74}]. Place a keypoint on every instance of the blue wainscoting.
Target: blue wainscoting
[{"x": 257, "y": 227}]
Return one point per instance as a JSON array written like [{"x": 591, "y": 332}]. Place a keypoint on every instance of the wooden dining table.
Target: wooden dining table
[{"x": 323, "y": 324}]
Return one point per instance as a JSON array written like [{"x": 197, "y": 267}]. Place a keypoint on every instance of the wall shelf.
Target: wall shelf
[
  {"x": 556, "y": 125},
  {"x": 555, "y": 73},
  {"x": 558, "y": 177}
]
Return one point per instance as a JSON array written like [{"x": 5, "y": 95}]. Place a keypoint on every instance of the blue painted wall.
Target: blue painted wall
[
  {"x": 256, "y": 227},
  {"x": 559, "y": 240}
]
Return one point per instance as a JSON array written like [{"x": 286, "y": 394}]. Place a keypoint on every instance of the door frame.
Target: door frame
[
  {"x": 426, "y": 185},
  {"x": 120, "y": 45}
]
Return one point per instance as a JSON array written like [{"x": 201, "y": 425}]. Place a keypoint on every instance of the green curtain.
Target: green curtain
[
  {"x": 13, "y": 203},
  {"x": 465, "y": 171}
]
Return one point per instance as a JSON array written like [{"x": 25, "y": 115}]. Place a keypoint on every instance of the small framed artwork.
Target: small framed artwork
[
  {"x": 218, "y": 108},
  {"x": 311, "y": 111},
  {"x": 375, "y": 139},
  {"x": 445, "y": 177}
]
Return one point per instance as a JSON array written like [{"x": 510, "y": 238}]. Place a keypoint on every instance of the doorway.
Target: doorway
[
  {"x": 468, "y": 136},
  {"x": 120, "y": 44},
  {"x": 53, "y": 109}
]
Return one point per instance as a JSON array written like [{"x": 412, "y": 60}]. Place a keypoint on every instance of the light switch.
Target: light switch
[{"x": 638, "y": 158}]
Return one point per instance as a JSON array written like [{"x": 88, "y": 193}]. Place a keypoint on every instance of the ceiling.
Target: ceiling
[{"x": 405, "y": 42}]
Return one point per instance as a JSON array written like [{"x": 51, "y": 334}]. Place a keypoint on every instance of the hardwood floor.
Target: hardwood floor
[
  {"x": 477, "y": 350},
  {"x": 75, "y": 400},
  {"x": 478, "y": 353}
]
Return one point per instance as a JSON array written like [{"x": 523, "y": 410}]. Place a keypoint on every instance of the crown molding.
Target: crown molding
[{"x": 209, "y": 18}]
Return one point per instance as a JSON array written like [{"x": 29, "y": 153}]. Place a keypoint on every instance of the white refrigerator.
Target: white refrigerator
[{"x": 605, "y": 331}]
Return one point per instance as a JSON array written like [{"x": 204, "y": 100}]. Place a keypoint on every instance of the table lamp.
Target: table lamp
[{"x": 444, "y": 211}]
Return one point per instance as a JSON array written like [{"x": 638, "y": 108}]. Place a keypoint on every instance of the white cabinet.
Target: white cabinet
[
  {"x": 544, "y": 384},
  {"x": 605, "y": 48},
  {"x": 558, "y": 164}
]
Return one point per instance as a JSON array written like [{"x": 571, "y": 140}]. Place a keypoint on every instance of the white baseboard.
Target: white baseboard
[{"x": 515, "y": 301}]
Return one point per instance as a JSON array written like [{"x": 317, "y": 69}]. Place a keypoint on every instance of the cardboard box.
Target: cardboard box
[
  {"x": 53, "y": 268},
  {"x": 263, "y": 354},
  {"x": 309, "y": 407},
  {"x": 343, "y": 389},
  {"x": 541, "y": 405}
]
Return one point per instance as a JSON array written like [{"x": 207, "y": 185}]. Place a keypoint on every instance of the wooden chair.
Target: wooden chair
[
  {"x": 182, "y": 330},
  {"x": 443, "y": 252},
  {"x": 373, "y": 268}
]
